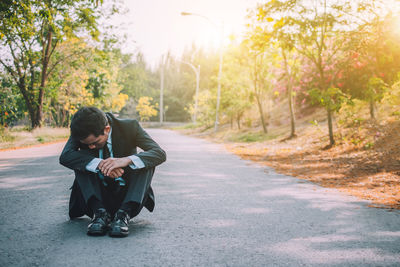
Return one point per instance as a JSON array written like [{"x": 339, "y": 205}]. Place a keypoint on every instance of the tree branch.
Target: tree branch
[{"x": 10, "y": 70}]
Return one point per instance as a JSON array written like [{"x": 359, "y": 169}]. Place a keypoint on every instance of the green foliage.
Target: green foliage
[
  {"x": 187, "y": 126},
  {"x": 5, "y": 135},
  {"x": 11, "y": 103},
  {"x": 318, "y": 52},
  {"x": 248, "y": 122},
  {"x": 135, "y": 78},
  {"x": 29, "y": 33},
  {"x": 236, "y": 94},
  {"x": 332, "y": 98},
  {"x": 252, "y": 137},
  {"x": 376, "y": 89},
  {"x": 207, "y": 103},
  {"x": 97, "y": 83},
  {"x": 88, "y": 77},
  {"x": 145, "y": 108},
  {"x": 392, "y": 96},
  {"x": 369, "y": 145}
]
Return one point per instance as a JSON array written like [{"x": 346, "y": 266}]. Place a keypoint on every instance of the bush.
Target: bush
[{"x": 5, "y": 135}]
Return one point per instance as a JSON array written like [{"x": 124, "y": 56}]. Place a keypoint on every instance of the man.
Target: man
[{"x": 112, "y": 180}]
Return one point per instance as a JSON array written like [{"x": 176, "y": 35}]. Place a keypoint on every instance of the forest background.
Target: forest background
[{"x": 321, "y": 77}]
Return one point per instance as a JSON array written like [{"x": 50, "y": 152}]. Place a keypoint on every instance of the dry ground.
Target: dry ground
[
  {"x": 365, "y": 162},
  {"x": 369, "y": 173},
  {"x": 19, "y": 137}
]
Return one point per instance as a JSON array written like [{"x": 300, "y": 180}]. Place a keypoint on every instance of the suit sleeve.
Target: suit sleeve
[
  {"x": 74, "y": 158},
  {"x": 152, "y": 154}
]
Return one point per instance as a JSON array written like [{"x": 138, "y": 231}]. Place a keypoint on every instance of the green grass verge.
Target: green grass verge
[
  {"x": 186, "y": 126},
  {"x": 250, "y": 137}
]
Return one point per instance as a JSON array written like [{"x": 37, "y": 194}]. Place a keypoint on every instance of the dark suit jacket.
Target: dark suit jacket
[{"x": 126, "y": 136}]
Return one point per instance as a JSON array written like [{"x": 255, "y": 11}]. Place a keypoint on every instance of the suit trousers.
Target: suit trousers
[{"x": 112, "y": 196}]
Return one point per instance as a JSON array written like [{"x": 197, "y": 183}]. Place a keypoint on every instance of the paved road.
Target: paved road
[{"x": 212, "y": 209}]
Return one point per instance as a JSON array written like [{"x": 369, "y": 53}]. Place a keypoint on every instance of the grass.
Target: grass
[
  {"x": 21, "y": 136},
  {"x": 249, "y": 137},
  {"x": 5, "y": 135},
  {"x": 186, "y": 126}
]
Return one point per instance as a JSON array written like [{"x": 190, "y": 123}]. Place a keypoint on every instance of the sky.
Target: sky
[{"x": 157, "y": 26}]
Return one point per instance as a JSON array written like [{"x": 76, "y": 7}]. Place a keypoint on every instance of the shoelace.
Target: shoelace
[
  {"x": 102, "y": 215},
  {"x": 122, "y": 216}
]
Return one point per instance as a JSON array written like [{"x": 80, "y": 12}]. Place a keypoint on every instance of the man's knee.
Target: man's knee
[{"x": 89, "y": 184}]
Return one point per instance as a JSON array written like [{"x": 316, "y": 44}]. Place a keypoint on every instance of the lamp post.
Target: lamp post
[
  {"x": 220, "y": 64},
  {"x": 197, "y": 72},
  {"x": 162, "y": 91}
]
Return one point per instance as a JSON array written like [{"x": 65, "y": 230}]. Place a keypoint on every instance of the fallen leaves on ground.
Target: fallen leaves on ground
[{"x": 368, "y": 173}]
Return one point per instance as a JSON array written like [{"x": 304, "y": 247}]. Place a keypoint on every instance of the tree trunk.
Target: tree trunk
[
  {"x": 372, "y": 109},
  {"x": 28, "y": 101},
  {"x": 62, "y": 117},
  {"x": 261, "y": 114},
  {"x": 290, "y": 96},
  {"x": 55, "y": 114},
  {"x": 292, "y": 118},
  {"x": 35, "y": 122},
  {"x": 238, "y": 120},
  {"x": 330, "y": 127},
  {"x": 45, "y": 64},
  {"x": 257, "y": 95}
]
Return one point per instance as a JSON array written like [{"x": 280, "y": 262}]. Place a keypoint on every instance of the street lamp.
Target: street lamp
[
  {"x": 162, "y": 91},
  {"x": 197, "y": 72},
  {"x": 220, "y": 63}
]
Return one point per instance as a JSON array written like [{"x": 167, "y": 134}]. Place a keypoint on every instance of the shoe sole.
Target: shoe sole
[
  {"x": 97, "y": 233},
  {"x": 118, "y": 234}
]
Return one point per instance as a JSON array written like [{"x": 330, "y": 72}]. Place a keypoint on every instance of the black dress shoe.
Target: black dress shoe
[
  {"x": 119, "y": 225},
  {"x": 100, "y": 222}
]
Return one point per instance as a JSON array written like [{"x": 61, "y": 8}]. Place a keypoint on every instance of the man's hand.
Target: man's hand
[
  {"x": 106, "y": 166},
  {"x": 116, "y": 173}
]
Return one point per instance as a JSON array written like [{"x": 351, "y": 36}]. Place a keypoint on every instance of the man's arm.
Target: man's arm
[
  {"x": 152, "y": 154},
  {"x": 74, "y": 158}
]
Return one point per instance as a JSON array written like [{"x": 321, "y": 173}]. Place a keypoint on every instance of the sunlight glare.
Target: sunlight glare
[{"x": 396, "y": 27}]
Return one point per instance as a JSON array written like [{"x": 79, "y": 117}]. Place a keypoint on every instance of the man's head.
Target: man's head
[{"x": 90, "y": 126}]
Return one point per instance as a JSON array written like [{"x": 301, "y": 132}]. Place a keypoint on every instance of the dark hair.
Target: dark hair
[{"x": 87, "y": 121}]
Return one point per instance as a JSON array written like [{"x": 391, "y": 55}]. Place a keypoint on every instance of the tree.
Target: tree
[
  {"x": 290, "y": 75},
  {"x": 375, "y": 60},
  {"x": 257, "y": 59},
  {"x": 287, "y": 70},
  {"x": 87, "y": 77},
  {"x": 145, "y": 108},
  {"x": 30, "y": 31},
  {"x": 11, "y": 104},
  {"x": 134, "y": 76},
  {"x": 67, "y": 87},
  {"x": 235, "y": 99},
  {"x": 317, "y": 30}
]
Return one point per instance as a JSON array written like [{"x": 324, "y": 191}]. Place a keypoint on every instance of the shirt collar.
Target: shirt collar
[{"x": 109, "y": 137}]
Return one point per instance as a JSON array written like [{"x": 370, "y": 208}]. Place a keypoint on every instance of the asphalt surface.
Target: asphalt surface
[{"x": 212, "y": 209}]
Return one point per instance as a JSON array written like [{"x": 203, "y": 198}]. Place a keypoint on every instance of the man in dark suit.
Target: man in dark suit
[{"x": 112, "y": 180}]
